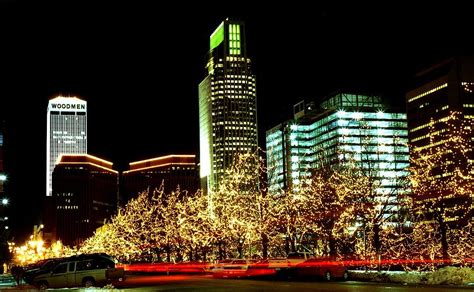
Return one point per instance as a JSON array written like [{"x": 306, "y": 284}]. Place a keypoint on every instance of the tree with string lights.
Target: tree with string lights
[
  {"x": 125, "y": 235},
  {"x": 442, "y": 182},
  {"x": 238, "y": 208}
]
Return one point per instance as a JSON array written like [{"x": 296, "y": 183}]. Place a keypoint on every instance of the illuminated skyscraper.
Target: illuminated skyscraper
[
  {"x": 66, "y": 132},
  {"x": 227, "y": 104}
]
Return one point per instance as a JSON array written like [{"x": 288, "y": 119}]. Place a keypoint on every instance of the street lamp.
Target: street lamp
[
  {"x": 3, "y": 177},
  {"x": 5, "y": 201}
]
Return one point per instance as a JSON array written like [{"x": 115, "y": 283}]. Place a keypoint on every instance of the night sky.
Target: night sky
[{"x": 139, "y": 65}]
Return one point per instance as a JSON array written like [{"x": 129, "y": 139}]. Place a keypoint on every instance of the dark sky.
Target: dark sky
[{"x": 138, "y": 66}]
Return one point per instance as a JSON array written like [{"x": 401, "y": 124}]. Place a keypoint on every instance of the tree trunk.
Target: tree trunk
[
  {"x": 377, "y": 244},
  {"x": 240, "y": 249},
  {"x": 444, "y": 241},
  {"x": 168, "y": 254},
  {"x": 196, "y": 254},
  {"x": 293, "y": 245},
  {"x": 332, "y": 245},
  {"x": 264, "y": 245},
  {"x": 204, "y": 254},
  {"x": 219, "y": 247}
]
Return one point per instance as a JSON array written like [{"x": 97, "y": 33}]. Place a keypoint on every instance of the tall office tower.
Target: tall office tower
[
  {"x": 66, "y": 132},
  {"x": 84, "y": 196},
  {"x": 227, "y": 104},
  {"x": 345, "y": 126},
  {"x": 445, "y": 87},
  {"x": 438, "y": 91}
]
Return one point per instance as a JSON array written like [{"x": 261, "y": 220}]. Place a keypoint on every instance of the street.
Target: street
[{"x": 207, "y": 283}]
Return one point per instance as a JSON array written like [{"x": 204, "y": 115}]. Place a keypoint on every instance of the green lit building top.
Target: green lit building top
[
  {"x": 344, "y": 126},
  {"x": 227, "y": 104}
]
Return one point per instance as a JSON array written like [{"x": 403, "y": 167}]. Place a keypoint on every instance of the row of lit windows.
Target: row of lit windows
[
  {"x": 234, "y": 122},
  {"x": 65, "y": 132},
  {"x": 225, "y": 140},
  {"x": 442, "y": 120},
  {"x": 430, "y": 145},
  {"x": 364, "y": 120},
  {"x": 374, "y": 149},
  {"x": 228, "y": 128},
  {"x": 428, "y": 135},
  {"x": 428, "y": 92},
  {"x": 242, "y": 76},
  {"x": 375, "y": 132},
  {"x": 67, "y": 207},
  {"x": 236, "y": 59},
  {"x": 226, "y": 82},
  {"x": 372, "y": 124},
  {"x": 70, "y": 137},
  {"x": 468, "y": 105},
  {"x": 374, "y": 140},
  {"x": 243, "y": 114},
  {"x": 419, "y": 127},
  {"x": 233, "y": 92}
]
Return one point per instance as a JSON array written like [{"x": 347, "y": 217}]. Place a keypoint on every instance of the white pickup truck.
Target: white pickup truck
[{"x": 83, "y": 270}]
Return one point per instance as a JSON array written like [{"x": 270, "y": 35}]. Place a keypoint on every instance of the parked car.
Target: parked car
[
  {"x": 40, "y": 267},
  {"x": 82, "y": 270},
  {"x": 327, "y": 268}
]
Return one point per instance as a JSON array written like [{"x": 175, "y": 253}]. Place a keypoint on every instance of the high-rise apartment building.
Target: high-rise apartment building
[
  {"x": 66, "y": 132},
  {"x": 227, "y": 104},
  {"x": 344, "y": 126}
]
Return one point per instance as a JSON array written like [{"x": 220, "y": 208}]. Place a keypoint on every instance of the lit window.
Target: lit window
[
  {"x": 341, "y": 113},
  {"x": 357, "y": 116}
]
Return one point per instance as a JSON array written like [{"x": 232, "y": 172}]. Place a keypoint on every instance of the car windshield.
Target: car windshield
[{"x": 48, "y": 265}]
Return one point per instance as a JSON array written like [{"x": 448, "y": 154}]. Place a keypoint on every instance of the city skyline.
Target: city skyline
[{"x": 139, "y": 75}]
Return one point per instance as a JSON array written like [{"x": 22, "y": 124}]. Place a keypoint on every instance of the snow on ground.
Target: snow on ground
[{"x": 443, "y": 276}]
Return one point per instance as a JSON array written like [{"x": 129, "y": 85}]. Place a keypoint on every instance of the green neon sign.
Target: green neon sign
[{"x": 217, "y": 36}]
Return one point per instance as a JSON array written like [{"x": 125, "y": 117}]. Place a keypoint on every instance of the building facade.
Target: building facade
[
  {"x": 170, "y": 170},
  {"x": 439, "y": 90},
  {"x": 85, "y": 191},
  {"x": 343, "y": 127},
  {"x": 66, "y": 132},
  {"x": 227, "y": 104},
  {"x": 442, "y": 100}
]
